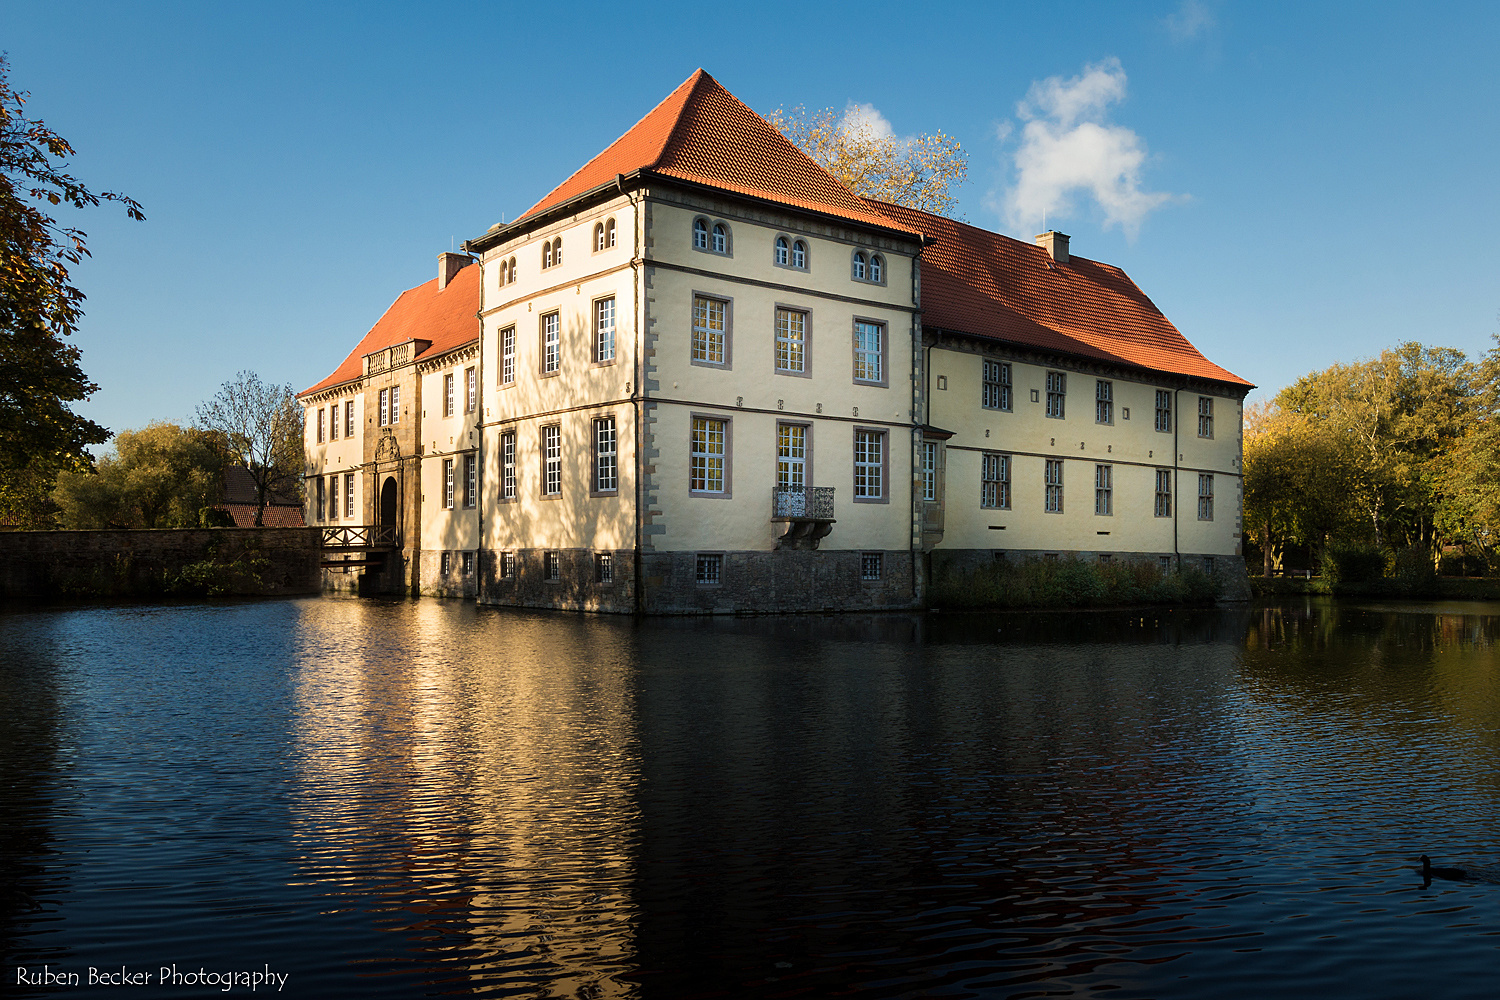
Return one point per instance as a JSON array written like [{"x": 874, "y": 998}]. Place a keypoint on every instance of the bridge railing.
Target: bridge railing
[{"x": 360, "y": 536}]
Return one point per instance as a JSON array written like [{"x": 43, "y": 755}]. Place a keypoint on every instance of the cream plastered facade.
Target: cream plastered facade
[
  {"x": 1129, "y": 444},
  {"x": 653, "y": 389},
  {"x": 449, "y": 525},
  {"x": 581, "y": 391},
  {"x": 335, "y": 456}
]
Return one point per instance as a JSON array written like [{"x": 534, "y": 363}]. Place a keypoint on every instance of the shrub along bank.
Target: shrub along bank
[{"x": 1071, "y": 583}]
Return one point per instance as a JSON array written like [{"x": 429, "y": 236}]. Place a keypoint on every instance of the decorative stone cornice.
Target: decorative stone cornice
[{"x": 456, "y": 356}]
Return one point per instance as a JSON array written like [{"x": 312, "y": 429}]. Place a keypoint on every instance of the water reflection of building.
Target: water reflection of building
[
  {"x": 490, "y": 800},
  {"x": 821, "y": 813}
]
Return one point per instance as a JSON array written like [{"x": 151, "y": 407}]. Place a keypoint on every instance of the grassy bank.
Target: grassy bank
[{"x": 1070, "y": 583}]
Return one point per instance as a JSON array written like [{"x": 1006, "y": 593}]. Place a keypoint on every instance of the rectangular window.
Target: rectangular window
[
  {"x": 869, "y": 465},
  {"x": 1104, "y": 501},
  {"x": 320, "y": 425},
  {"x": 448, "y": 395},
  {"x": 471, "y": 390},
  {"x": 604, "y": 567},
  {"x": 507, "y": 565},
  {"x": 552, "y": 460},
  {"x": 333, "y": 497},
  {"x": 929, "y": 471},
  {"x": 448, "y": 483},
  {"x": 508, "y": 465},
  {"x": 551, "y": 344},
  {"x": 710, "y": 569},
  {"x": 333, "y": 422},
  {"x": 1163, "y": 492},
  {"x": 348, "y": 494},
  {"x": 1208, "y": 565},
  {"x": 468, "y": 563},
  {"x": 551, "y": 567},
  {"x": 791, "y": 341},
  {"x": 1104, "y": 402},
  {"x": 1054, "y": 486},
  {"x": 348, "y": 418},
  {"x": 791, "y": 456},
  {"x": 604, "y": 330},
  {"x": 996, "y": 392},
  {"x": 1205, "y": 416},
  {"x": 1057, "y": 390},
  {"x": 606, "y": 465},
  {"x": 1164, "y": 410},
  {"x": 869, "y": 352},
  {"x": 508, "y": 355},
  {"x": 447, "y": 563},
  {"x": 1164, "y": 563},
  {"x": 709, "y": 450},
  {"x": 710, "y": 330},
  {"x": 1205, "y": 498},
  {"x": 385, "y": 407},
  {"x": 321, "y": 497},
  {"x": 994, "y": 486},
  {"x": 870, "y": 565},
  {"x": 471, "y": 481}
]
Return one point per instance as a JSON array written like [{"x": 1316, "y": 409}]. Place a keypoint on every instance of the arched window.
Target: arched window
[
  {"x": 609, "y": 234},
  {"x": 547, "y": 254},
  {"x": 557, "y": 250},
  {"x": 721, "y": 238},
  {"x": 799, "y": 254},
  {"x": 877, "y": 267},
  {"x": 700, "y": 235},
  {"x": 859, "y": 266},
  {"x": 598, "y": 236},
  {"x": 783, "y": 254},
  {"x": 512, "y": 269}
]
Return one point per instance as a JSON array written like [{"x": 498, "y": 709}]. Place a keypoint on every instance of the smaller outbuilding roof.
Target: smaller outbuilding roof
[{"x": 447, "y": 317}]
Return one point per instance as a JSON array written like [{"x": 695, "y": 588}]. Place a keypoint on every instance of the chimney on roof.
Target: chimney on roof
[
  {"x": 1055, "y": 243},
  {"x": 450, "y": 264}
]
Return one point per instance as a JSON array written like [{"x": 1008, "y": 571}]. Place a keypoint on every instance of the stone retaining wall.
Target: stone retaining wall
[{"x": 194, "y": 561}]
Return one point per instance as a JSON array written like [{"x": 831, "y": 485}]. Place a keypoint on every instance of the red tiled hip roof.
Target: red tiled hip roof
[{"x": 990, "y": 286}]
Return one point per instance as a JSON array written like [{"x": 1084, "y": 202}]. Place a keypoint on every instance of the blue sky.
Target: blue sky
[{"x": 1302, "y": 184}]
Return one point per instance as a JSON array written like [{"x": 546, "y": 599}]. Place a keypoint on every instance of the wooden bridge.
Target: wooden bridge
[{"x": 367, "y": 543}]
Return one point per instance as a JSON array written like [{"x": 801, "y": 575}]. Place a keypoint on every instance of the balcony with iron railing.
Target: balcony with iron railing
[{"x": 806, "y": 515}]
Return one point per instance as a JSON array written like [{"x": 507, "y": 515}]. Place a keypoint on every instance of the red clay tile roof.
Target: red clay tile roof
[
  {"x": 987, "y": 285},
  {"x": 275, "y": 516},
  {"x": 449, "y": 318},
  {"x": 703, "y": 133}
]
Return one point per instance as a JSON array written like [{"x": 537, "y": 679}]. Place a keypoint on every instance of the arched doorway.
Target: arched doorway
[{"x": 388, "y": 502}]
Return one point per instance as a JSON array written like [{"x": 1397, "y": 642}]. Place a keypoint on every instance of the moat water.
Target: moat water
[{"x": 424, "y": 798}]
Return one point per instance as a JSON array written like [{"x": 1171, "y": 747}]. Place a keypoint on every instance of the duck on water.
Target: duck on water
[{"x": 1450, "y": 874}]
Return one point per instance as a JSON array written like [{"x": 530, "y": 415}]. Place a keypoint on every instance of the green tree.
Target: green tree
[
  {"x": 162, "y": 476},
  {"x": 39, "y": 308},
  {"x": 1403, "y": 412},
  {"x": 261, "y": 426},
  {"x": 918, "y": 171},
  {"x": 1299, "y": 476}
]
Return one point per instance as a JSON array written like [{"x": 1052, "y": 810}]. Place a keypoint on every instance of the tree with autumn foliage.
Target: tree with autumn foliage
[
  {"x": 919, "y": 171},
  {"x": 40, "y": 308}
]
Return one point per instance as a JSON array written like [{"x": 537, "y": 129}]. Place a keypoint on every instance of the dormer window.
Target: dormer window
[
  {"x": 859, "y": 267},
  {"x": 711, "y": 237}
]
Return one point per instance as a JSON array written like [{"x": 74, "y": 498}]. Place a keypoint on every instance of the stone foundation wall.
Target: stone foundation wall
[
  {"x": 155, "y": 563},
  {"x": 782, "y": 582},
  {"x": 436, "y": 583},
  {"x": 1228, "y": 570}
]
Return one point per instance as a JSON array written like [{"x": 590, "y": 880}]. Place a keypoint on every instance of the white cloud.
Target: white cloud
[
  {"x": 1191, "y": 19},
  {"x": 861, "y": 117},
  {"x": 1067, "y": 147}
]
